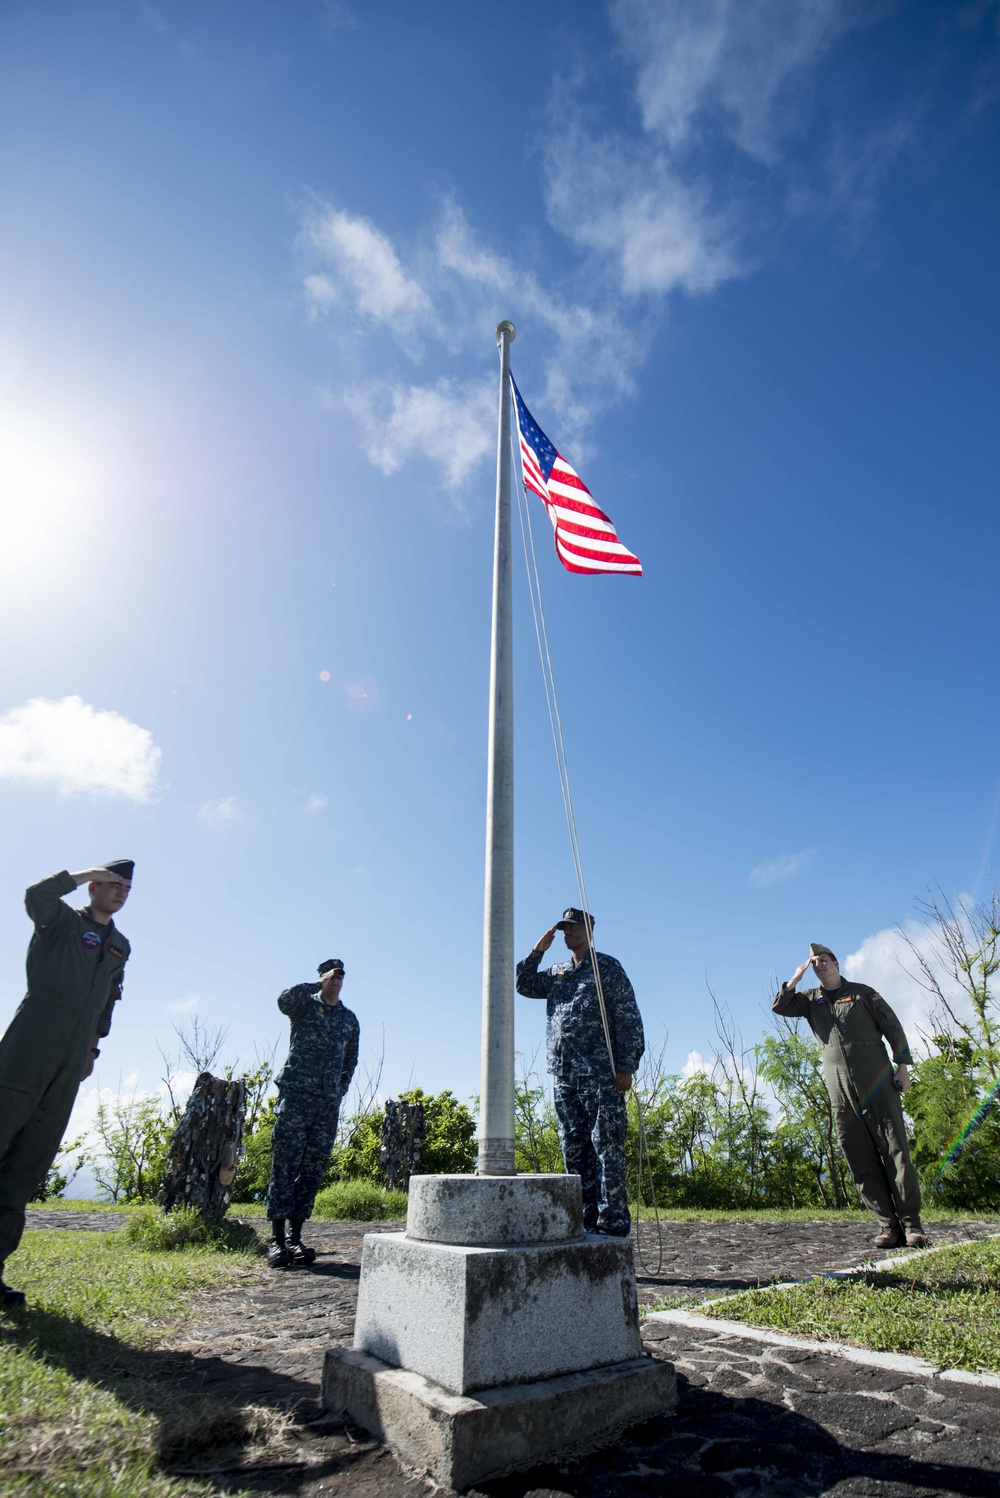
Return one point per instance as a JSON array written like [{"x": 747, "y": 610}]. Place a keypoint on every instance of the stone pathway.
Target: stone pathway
[{"x": 754, "y": 1418}]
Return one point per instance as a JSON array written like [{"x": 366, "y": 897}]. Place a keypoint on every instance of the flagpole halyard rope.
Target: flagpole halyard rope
[{"x": 562, "y": 763}]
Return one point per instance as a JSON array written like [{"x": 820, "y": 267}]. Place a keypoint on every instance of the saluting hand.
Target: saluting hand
[
  {"x": 544, "y": 942},
  {"x": 798, "y": 974}
]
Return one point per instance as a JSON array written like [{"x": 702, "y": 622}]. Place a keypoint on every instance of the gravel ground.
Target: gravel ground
[{"x": 753, "y": 1418}]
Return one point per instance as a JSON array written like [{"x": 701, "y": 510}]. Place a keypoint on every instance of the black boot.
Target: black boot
[
  {"x": 297, "y": 1251},
  {"x": 8, "y": 1297},
  {"x": 277, "y": 1253}
]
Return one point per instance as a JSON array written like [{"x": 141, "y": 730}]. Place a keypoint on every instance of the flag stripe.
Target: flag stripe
[{"x": 585, "y": 538}]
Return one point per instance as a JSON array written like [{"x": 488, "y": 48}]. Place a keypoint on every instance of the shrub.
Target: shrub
[
  {"x": 360, "y": 1201},
  {"x": 154, "y": 1232},
  {"x": 449, "y": 1140}
]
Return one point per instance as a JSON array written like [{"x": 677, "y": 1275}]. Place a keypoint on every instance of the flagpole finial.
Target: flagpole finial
[{"x": 509, "y": 329}]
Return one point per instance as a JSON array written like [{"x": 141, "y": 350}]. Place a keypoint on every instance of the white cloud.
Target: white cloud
[
  {"x": 590, "y": 350},
  {"x": 184, "y": 1006},
  {"x": 77, "y": 748},
  {"x": 339, "y": 16},
  {"x": 676, "y": 203},
  {"x": 449, "y": 423},
  {"x": 775, "y": 869},
  {"x": 887, "y": 962},
  {"x": 316, "y": 803},
  {"x": 696, "y": 1064},
  {"x": 727, "y": 65},
  {"x": 220, "y": 814},
  {"x": 362, "y": 269},
  {"x": 630, "y": 204}
]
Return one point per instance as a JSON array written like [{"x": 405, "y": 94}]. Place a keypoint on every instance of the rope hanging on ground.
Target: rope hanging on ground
[{"x": 559, "y": 744}]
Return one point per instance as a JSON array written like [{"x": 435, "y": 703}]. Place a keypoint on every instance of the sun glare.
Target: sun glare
[{"x": 49, "y": 485}]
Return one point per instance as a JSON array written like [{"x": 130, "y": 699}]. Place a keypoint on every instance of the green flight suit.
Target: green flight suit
[
  {"x": 74, "y": 981},
  {"x": 850, "y": 1022}
]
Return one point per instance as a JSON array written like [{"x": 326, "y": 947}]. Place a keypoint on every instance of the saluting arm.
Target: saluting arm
[
  {"x": 786, "y": 1001},
  {"x": 530, "y": 983},
  {"x": 43, "y": 901},
  {"x": 295, "y": 1001}
]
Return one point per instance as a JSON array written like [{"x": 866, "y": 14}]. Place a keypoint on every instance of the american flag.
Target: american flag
[{"x": 586, "y": 540}]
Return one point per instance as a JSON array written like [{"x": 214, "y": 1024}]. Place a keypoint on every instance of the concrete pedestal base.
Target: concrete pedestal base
[
  {"x": 474, "y": 1318},
  {"x": 493, "y": 1333},
  {"x": 460, "y": 1439}
]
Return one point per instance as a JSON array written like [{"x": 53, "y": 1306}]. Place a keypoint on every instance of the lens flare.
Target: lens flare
[{"x": 975, "y": 1122}]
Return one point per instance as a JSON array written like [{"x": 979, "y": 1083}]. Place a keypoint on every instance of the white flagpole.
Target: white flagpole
[{"x": 496, "y": 1116}]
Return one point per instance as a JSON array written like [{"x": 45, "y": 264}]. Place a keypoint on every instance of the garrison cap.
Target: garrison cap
[
  {"x": 817, "y": 949},
  {"x": 123, "y": 867},
  {"x": 573, "y": 917},
  {"x": 330, "y": 965}
]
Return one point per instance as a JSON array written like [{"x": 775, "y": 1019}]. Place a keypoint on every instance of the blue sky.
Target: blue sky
[{"x": 251, "y": 262}]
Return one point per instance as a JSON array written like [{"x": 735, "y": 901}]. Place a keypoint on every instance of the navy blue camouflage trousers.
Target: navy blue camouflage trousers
[
  {"x": 305, "y": 1127},
  {"x": 592, "y": 1119}
]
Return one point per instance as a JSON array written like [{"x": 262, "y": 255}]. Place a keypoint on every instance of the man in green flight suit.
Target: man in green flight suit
[
  {"x": 75, "y": 963},
  {"x": 850, "y": 1020}
]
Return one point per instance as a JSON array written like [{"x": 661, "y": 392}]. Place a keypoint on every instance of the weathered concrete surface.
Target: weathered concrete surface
[
  {"x": 474, "y": 1210},
  {"x": 457, "y": 1440},
  {"x": 478, "y": 1318}
]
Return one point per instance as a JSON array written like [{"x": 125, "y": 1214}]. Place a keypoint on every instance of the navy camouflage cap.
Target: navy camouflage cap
[
  {"x": 329, "y": 965},
  {"x": 573, "y": 917}
]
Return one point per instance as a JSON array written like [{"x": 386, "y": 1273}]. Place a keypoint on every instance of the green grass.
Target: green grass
[
  {"x": 154, "y": 1230},
  {"x": 944, "y": 1307},
  {"x": 68, "y": 1204},
  {"x": 86, "y": 1403},
  {"x": 800, "y": 1214},
  {"x": 360, "y": 1201}
]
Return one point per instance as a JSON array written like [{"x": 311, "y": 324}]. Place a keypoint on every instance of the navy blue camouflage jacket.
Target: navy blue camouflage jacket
[
  {"x": 323, "y": 1050},
  {"x": 575, "y": 1046}
]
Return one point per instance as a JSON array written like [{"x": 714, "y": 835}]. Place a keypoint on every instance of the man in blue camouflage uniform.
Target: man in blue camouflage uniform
[
  {"x": 589, "y": 1089},
  {"x": 322, "y": 1055}
]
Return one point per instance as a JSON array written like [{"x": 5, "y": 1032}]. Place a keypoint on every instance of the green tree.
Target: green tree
[
  {"x": 953, "y": 1101},
  {"x": 449, "y": 1140},
  {"x": 134, "y": 1137},
  {"x": 536, "y": 1135},
  {"x": 63, "y": 1169},
  {"x": 254, "y": 1170},
  {"x": 953, "y": 1104},
  {"x": 805, "y": 1131}
]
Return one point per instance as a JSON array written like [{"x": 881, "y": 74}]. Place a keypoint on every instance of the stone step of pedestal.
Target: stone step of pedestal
[{"x": 460, "y": 1439}]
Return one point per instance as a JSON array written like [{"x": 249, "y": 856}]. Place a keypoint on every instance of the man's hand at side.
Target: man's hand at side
[
  {"x": 902, "y": 1079},
  {"x": 623, "y": 1081}
]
